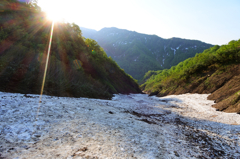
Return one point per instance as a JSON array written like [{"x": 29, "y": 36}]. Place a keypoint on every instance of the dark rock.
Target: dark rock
[
  {"x": 153, "y": 93},
  {"x": 176, "y": 154},
  {"x": 110, "y": 112}
]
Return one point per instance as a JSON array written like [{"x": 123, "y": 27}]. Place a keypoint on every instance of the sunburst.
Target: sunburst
[
  {"x": 55, "y": 15},
  {"x": 56, "y": 10}
]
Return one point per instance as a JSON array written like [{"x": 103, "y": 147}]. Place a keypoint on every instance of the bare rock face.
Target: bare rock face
[{"x": 128, "y": 126}]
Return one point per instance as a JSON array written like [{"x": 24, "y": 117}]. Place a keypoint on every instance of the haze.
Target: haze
[{"x": 214, "y": 22}]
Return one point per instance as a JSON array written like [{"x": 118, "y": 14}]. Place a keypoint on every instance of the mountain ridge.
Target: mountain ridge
[{"x": 138, "y": 53}]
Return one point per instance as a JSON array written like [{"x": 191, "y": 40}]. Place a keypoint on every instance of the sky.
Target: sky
[{"x": 212, "y": 21}]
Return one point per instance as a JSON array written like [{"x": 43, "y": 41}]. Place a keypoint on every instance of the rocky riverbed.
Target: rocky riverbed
[{"x": 128, "y": 126}]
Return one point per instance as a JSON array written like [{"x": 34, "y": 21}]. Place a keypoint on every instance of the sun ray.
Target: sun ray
[{"x": 45, "y": 71}]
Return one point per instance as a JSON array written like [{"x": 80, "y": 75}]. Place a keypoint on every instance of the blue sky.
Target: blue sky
[{"x": 211, "y": 21}]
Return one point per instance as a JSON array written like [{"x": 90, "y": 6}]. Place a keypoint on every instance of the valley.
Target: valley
[{"x": 112, "y": 93}]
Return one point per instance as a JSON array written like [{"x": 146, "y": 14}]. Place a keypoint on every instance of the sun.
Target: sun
[
  {"x": 55, "y": 15},
  {"x": 87, "y": 12},
  {"x": 55, "y": 10}
]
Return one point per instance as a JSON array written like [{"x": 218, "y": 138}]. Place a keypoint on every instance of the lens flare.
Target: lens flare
[
  {"x": 45, "y": 71},
  {"x": 93, "y": 52},
  {"x": 77, "y": 64}
]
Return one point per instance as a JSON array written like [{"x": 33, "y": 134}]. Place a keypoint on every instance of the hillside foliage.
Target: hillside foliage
[
  {"x": 78, "y": 66},
  {"x": 193, "y": 71}
]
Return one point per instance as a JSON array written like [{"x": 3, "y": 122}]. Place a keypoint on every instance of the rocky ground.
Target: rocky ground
[{"x": 129, "y": 126}]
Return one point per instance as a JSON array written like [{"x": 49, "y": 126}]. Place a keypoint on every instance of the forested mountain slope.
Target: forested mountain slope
[
  {"x": 216, "y": 71},
  {"x": 78, "y": 67},
  {"x": 138, "y": 53}
]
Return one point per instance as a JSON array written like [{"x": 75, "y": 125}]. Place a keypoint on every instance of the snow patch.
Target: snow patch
[
  {"x": 111, "y": 34},
  {"x": 173, "y": 50},
  {"x": 175, "y": 126}
]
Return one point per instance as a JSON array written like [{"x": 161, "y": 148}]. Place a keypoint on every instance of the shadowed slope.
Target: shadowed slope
[{"x": 78, "y": 66}]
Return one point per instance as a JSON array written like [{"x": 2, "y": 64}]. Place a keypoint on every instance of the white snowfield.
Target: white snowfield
[{"x": 128, "y": 126}]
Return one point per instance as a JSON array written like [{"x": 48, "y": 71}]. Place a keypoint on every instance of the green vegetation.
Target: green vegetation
[
  {"x": 138, "y": 53},
  {"x": 78, "y": 66},
  {"x": 193, "y": 72}
]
